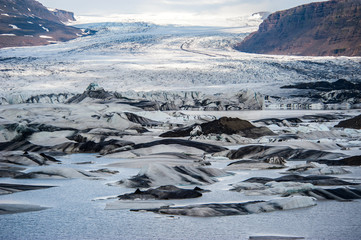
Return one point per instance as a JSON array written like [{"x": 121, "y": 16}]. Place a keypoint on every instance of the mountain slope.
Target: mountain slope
[
  {"x": 329, "y": 28},
  {"x": 29, "y": 23}
]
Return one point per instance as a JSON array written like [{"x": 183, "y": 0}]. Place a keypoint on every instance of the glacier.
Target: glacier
[
  {"x": 143, "y": 56},
  {"x": 104, "y": 144}
]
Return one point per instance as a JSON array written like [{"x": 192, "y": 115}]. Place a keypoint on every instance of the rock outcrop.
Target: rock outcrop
[
  {"x": 328, "y": 28},
  {"x": 63, "y": 16},
  {"x": 224, "y": 125},
  {"x": 29, "y": 23}
]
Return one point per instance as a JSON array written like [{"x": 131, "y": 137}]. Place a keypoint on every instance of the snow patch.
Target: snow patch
[
  {"x": 5, "y": 14},
  {"x": 8, "y": 34}
]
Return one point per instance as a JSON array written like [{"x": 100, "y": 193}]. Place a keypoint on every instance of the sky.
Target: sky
[{"x": 199, "y": 7}]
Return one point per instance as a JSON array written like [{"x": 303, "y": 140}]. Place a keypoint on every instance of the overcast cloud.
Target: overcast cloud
[{"x": 219, "y": 7}]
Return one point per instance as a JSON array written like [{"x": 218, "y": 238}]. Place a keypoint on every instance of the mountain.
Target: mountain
[
  {"x": 263, "y": 15},
  {"x": 29, "y": 23},
  {"x": 62, "y": 15},
  {"x": 329, "y": 28}
]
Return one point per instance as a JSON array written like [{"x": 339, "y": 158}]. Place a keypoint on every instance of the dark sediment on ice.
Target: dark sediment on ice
[{"x": 162, "y": 193}]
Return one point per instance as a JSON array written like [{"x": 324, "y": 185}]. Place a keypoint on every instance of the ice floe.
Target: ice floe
[
  {"x": 229, "y": 209},
  {"x": 158, "y": 175}
]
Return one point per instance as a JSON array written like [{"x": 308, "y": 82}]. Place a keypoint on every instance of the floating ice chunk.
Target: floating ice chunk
[
  {"x": 274, "y": 238},
  {"x": 118, "y": 205},
  {"x": 5, "y": 14},
  {"x": 271, "y": 188},
  {"x": 13, "y": 26},
  {"x": 247, "y": 186},
  {"x": 44, "y": 36},
  {"x": 8, "y": 34},
  {"x": 10, "y": 208},
  {"x": 339, "y": 194},
  {"x": 230, "y": 209},
  {"x": 283, "y": 204},
  {"x": 159, "y": 174},
  {"x": 46, "y": 29},
  {"x": 288, "y": 187},
  {"x": 314, "y": 168},
  {"x": 56, "y": 173}
]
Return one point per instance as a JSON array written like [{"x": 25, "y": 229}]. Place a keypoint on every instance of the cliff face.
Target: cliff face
[
  {"x": 63, "y": 16},
  {"x": 329, "y": 28},
  {"x": 29, "y": 23}
]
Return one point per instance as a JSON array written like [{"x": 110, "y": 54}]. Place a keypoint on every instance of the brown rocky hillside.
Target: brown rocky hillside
[
  {"x": 29, "y": 23},
  {"x": 331, "y": 28}
]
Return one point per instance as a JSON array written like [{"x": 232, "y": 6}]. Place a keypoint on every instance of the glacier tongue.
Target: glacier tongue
[{"x": 143, "y": 56}]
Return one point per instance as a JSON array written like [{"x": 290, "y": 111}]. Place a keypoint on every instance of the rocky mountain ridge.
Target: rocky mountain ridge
[
  {"x": 29, "y": 23},
  {"x": 318, "y": 29}
]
